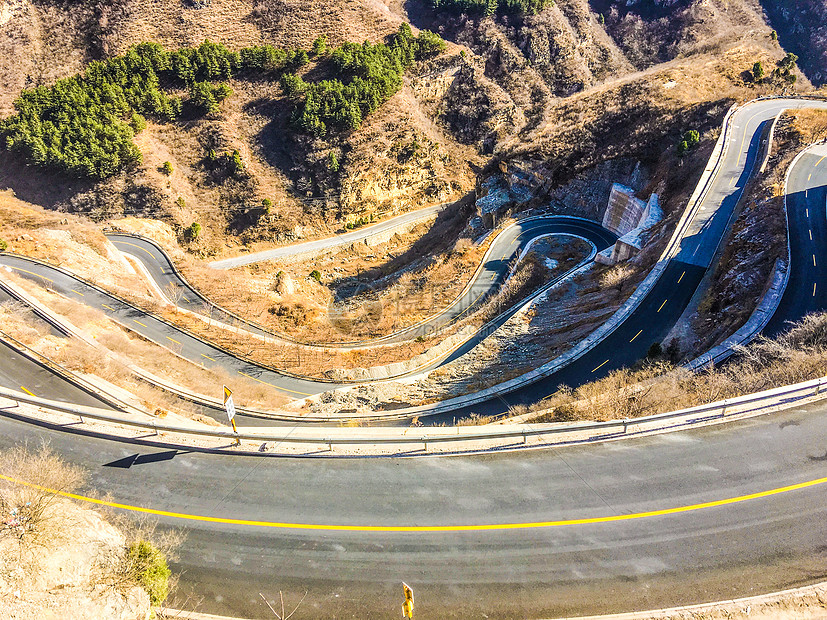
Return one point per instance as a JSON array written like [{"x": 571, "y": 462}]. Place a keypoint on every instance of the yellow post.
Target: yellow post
[{"x": 408, "y": 605}]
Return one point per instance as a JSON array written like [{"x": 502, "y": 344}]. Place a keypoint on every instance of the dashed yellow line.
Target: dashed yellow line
[
  {"x": 271, "y": 385},
  {"x": 33, "y": 274},
  {"x": 811, "y": 235},
  {"x": 208, "y": 357},
  {"x": 137, "y": 246},
  {"x": 173, "y": 340},
  {"x": 601, "y": 366},
  {"x": 814, "y": 288},
  {"x": 681, "y": 278},
  {"x": 27, "y": 391},
  {"x": 109, "y": 308},
  {"x": 814, "y": 261},
  {"x": 78, "y": 293},
  {"x": 818, "y": 163},
  {"x": 139, "y": 323},
  {"x": 636, "y": 335},
  {"x": 662, "y": 305},
  {"x": 431, "y": 528}
]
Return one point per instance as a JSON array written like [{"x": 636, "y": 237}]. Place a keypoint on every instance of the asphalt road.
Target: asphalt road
[
  {"x": 807, "y": 220},
  {"x": 320, "y": 245},
  {"x": 625, "y": 560},
  {"x": 668, "y": 299},
  {"x": 22, "y": 373},
  {"x": 608, "y": 527},
  {"x": 207, "y": 355},
  {"x": 503, "y": 250}
]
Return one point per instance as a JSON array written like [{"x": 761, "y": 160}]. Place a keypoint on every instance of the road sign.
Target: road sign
[
  {"x": 408, "y": 605},
  {"x": 230, "y": 406}
]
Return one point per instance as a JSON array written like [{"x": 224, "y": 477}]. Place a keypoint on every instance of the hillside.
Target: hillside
[{"x": 526, "y": 98}]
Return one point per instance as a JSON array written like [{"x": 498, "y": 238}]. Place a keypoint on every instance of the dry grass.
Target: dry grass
[
  {"x": 798, "y": 355},
  {"x": 118, "y": 350},
  {"x": 26, "y": 513}
]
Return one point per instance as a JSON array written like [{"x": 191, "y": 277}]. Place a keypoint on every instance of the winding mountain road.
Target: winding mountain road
[{"x": 683, "y": 517}]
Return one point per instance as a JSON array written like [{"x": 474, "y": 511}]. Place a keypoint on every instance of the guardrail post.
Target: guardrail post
[
  {"x": 626, "y": 425},
  {"x": 81, "y": 419},
  {"x": 329, "y": 443},
  {"x": 155, "y": 429},
  {"x": 525, "y": 438},
  {"x": 425, "y": 441}
]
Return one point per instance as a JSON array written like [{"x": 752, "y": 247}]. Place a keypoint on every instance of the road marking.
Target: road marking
[
  {"x": 208, "y": 357},
  {"x": 808, "y": 212},
  {"x": 186, "y": 301},
  {"x": 109, "y": 308},
  {"x": 601, "y": 366},
  {"x": 139, "y": 323},
  {"x": 811, "y": 235},
  {"x": 636, "y": 335},
  {"x": 271, "y": 385},
  {"x": 78, "y": 292},
  {"x": 814, "y": 289},
  {"x": 814, "y": 261},
  {"x": 681, "y": 278},
  {"x": 173, "y": 339},
  {"x": 27, "y": 391},
  {"x": 662, "y": 305},
  {"x": 33, "y": 274},
  {"x": 819, "y": 162},
  {"x": 137, "y": 246},
  {"x": 430, "y": 528}
]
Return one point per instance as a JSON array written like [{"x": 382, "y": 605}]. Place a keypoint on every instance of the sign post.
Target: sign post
[
  {"x": 230, "y": 407},
  {"x": 408, "y": 605}
]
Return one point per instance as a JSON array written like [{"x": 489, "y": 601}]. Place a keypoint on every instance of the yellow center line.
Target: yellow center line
[
  {"x": 109, "y": 308},
  {"x": 78, "y": 292},
  {"x": 139, "y": 323},
  {"x": 681, "y": 278},
  {"x": 601, "y": 366},
  {"x": 27, "y": 391},
  {"x": 814, "y": 289},
  {"x": 430, "y": 528},
  {"x": 807, "y": 211},
  {"x": 173, "y": 340},
  {"x": 818, "y": 163},
  {"x": 271, "y": 385},
  {"x": 137, "y": 246},
  {"x": 32, "y": 273},
  {"x": 811, "y": 235},
  {"x": 662, "y": 305},
  {"x": 814, "y": 261},
  {"x": 186, "y": 301},
  {"x": 208, "y": 357},
  {"x": 636, "y": 335}
]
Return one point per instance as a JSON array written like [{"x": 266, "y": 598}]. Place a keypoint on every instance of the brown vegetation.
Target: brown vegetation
[{"x": 797, "y": 355}]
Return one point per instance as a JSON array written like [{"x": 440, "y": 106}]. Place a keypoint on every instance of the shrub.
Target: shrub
[
  {"x": 333, "y": 161},
  {"x": 490, "y": 7},
  {"x": 655, "y": 351},
  {"x": 689, "y": 141},
  {"x": 138, "y": 123},
  {"x": 316, "y": 275},
  {"x": 166, "y": 168},
  {"x": 319, "y": 46},
  {"x": 3, "y": 245},
  {"x": 367, "y": 75},
  {"x": 147, "y": 565},
  {"x": 193, "y": 231},
  {"x": 757, "y": 71},
  {"x": 267, "y": 204}
]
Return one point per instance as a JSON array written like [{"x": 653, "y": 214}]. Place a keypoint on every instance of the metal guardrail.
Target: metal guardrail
[{"x": 751, "y": 404}]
